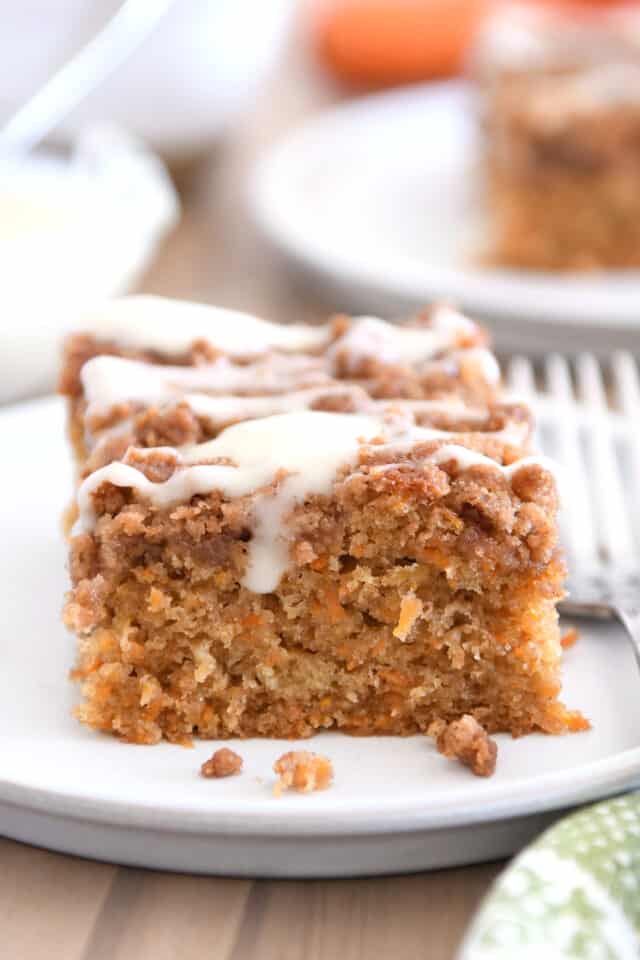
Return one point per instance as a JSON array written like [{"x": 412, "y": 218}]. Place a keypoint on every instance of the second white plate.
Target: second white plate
[{"x": 375, "y": 198}]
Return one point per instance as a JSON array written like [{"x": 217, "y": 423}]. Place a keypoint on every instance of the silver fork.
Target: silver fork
[{"x": 597, "y": 444}]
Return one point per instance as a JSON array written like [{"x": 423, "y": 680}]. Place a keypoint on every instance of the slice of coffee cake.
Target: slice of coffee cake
[{"x": 294, "y": 555}]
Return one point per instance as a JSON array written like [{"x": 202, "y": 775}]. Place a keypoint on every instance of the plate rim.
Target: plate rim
[{"x": 596, "y": 781}]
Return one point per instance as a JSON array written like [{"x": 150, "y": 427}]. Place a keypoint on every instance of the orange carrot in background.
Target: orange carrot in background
[{"x": 376, "y": 43}]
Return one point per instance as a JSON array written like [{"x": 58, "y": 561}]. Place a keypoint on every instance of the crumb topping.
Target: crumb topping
[
  {"x": 303, "y": 771},
  {"x": 222, "y": 763}
]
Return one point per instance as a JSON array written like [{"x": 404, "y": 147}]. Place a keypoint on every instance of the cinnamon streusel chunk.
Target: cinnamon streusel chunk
[
  {"x": 467, "y": 741},
  {"x": 222, "y": 763},
  {"x": 302, "y": 771}
]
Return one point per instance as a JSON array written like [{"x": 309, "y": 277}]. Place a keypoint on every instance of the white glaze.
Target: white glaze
[
  {"x": 308, "y": 447},
  {"x": 464, "y": 458},
  {"x": 108, "y": 381},
  {"x": 300, "y": 453},
  {"x": 392, "y": 343},
  {"x": 169, "y": 327},
  {"x": 445, "y": 319},
  {"x": 454, "y": 361},
  {"x": 226, "y": 409},
  {"x": 485, "y": 360},
  {"x": 286, "y": 452}
]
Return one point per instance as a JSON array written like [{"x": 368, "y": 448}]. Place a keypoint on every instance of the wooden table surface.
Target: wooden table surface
[{"x": 63, "y": 908}]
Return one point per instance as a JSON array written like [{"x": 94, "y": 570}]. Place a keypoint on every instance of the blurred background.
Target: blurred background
[
  {"x": 297, "y": 158},
  {"x": 289, "y": 157}
]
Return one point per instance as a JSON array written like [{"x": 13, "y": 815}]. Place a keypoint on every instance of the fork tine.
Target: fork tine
[
  {"x": 626, "y": 383},
  {"x": 627, "y": 392},
  {"x": 608, "y": 490},
  {"x": 521, "y": 385},
  {"x": 520, "y": 377},
  {"x": 576, "y": 515}
]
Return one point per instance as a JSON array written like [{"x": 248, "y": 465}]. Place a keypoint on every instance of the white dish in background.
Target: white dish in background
[
  {"x": 375, "y": 199},
  {"x": 200, "y": 67},
  {"x": 396, "y": 804},
  {"x": 72, "y": 233}
]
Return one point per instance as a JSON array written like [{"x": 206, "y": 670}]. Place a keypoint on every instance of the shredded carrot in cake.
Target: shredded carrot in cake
[
  {"x": 569, "y": 638},
  {"x": 576, "y": 722},
  {"x": 410, "y": 610},
  {"x": 335, "y": 610}
]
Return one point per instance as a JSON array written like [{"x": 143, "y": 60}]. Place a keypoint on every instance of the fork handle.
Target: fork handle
[{"x": 629, "y": 617}]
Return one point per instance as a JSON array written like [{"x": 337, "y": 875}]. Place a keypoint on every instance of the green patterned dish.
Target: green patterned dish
[{"x": 574, "y": 894}]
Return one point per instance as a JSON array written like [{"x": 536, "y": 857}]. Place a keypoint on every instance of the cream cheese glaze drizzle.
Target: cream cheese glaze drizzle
[
  {"x": 287, "y": 451},
  {"x": 170, "y": 327},
  {"x": 392, "y": 343},
  {"x": 308, "y": 448},
  {"x": 108, "y": 381},
  {"x": 280, "y": 459}
]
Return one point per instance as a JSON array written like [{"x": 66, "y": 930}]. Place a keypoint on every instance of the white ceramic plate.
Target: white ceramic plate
[
  {"x": 376, "y": 199},
  {"x": 396, "y": 804}
]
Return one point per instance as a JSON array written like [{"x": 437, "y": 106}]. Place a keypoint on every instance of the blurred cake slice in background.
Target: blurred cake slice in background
[{"x": 560, "y": 109}]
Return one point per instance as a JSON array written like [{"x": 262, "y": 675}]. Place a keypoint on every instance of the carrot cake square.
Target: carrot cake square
[{"x": 282, "y": 530}]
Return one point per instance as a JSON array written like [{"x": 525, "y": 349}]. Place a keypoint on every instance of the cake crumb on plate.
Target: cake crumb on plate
[
  {"x": 468, "y": 741},
  {"x": 222, "y": 763},
  {"x": 303, "y": 771}
]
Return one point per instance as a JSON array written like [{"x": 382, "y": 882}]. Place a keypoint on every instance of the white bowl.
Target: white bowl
[
  {"x": 72, "y": 233},
  {"x": 200, "y": 66}
]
